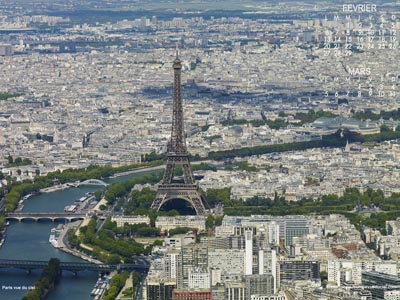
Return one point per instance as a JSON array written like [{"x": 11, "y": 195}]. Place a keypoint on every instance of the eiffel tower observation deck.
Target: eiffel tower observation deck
[{"x": 172, "y": 188}]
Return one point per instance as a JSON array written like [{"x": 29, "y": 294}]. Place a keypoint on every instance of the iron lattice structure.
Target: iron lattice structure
[{"x": 177, "y": 155}]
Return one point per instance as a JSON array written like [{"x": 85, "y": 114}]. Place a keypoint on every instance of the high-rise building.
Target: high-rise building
[
  {"x": 259, "y": 284},
  {"x": 172, "y": 264},
  {"x": 199, "y": 279},
  {"x": 230, "y": 261},
  {"x": 298, "y": 270},
  {"x": 248, "y": 269},
  {"x": 273, "y": 233},
  {"x": 158, "y": 289},
  {"x": 235, "y": 290},
  {"x": 340, "y": 272},
  {"x": 380, "y": 283},
  {"x": 193, "y": 255},
  {"x": 267, "y": 260},
  {"x": 296, "y": 227}
]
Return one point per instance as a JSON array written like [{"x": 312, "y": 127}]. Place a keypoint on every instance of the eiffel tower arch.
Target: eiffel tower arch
[{"x": 177, "y": 155}]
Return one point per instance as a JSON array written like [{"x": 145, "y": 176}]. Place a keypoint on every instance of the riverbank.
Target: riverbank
[
  {"x": 55, "y": 188},
  {"x": 138, "y": 170},
  {"x": 63, "y": 244}
]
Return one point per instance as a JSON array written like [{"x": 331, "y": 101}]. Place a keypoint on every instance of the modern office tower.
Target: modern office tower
[
  {"x": 192, "y": 295},
  {"x": 298, "y": 270},
  {"x": 177, "y": 155},
  {"x": 193, "y": 255},
  {"x": 382, "y": 286},
  {"x": 172, "y": 264},
  {"x": 259, "y": 284},
  {"x": 248, "y": 270},
  {"x": 159, "y": 289},
  {"x": 296, "y": 227}
]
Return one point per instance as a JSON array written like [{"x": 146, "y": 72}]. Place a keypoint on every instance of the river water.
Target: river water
[{"x": 30, "y": 241}]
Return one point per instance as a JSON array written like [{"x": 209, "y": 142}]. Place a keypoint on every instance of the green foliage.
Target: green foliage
[
  {"x": 20, "y": 189},
  {"x": 73, "y": 239},
  {"x": 153, "y": 157},
  {"x": 240, "y": 165},
  {"x": 332, "y": 141},
  {"x": 99, "y": 194},
  {"x": 204, "y": 167},
  {"x": 128, "y": 293},
  {"x": 327, "y": 204},
  {"x": 116, "y": 284},
  {"x": 5, "y": 96},
  {"x": 212, "y": 221},
  {"x": 180, "y": 230},
  {"x": 118, "y": 190},
  {"x": 106, "y": 240},
  {"x": 18, "y": 162},
  {"x": 158, "y": 243},
  {"x": 386, "y": 115},
  {"x": 311, "y": 116},
  {"x": 215, "y": 196},
  {"x": 2, "y": 222},
  {"x": 131, "y": 230},
  {"x": 140, "y": 200},
  {"x": 49, "y": 277},
  {"x": 311, "y": 181},
  {"x": 114, "y": 191}
]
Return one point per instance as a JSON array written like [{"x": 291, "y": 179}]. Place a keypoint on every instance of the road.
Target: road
[{"x": 63, "y": 244}]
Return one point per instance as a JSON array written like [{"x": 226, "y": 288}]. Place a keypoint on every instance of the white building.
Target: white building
[
  {"x": 172, "y": 263},
  {"x": 199, "y": 279},
  {"x": 167, "y": 223},
  {"x": 249, "y": 252},
  {"x": 229, "y": 261},
  {"x": 391, "y": 295},
  {"x": 121, "y": 220},
  {"x": 280, "y": 296},
  {"x": 267, "y": 264}
]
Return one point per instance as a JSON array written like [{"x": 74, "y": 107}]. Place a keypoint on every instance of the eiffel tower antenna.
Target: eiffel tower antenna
[{"x": 177, "y": 155}]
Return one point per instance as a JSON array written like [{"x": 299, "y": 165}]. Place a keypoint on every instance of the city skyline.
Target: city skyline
[{"x": 261, "y": 163}]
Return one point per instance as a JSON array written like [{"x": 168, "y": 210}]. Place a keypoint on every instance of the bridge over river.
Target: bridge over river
[
  {"x": 139, "y": 265},
  {"x": 53, "y": 216}
]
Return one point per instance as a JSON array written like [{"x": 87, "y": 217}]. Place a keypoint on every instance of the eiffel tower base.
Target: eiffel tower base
[{"x": 187, "y": 192}]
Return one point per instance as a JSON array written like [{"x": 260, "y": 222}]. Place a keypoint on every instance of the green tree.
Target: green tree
[{"x": 210, "y": 221}]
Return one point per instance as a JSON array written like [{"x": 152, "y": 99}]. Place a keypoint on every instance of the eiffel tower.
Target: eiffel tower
[{"x": 177, "y": 155}]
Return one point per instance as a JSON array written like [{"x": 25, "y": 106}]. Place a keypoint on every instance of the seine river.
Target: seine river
[{"x": 30, "y": 241}]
